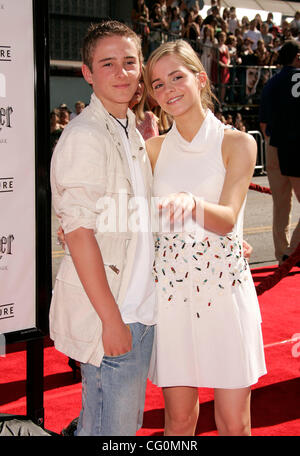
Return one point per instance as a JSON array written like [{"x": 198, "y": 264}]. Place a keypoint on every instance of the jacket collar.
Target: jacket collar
[
  {"x": 136, "y": 145},
  {"x": 98, "y": 108}
]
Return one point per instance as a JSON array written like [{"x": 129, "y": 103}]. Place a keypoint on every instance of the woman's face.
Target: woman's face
[
  {"x": 138, "y": 94},
  {"x": 208, "y": 33},
  {"x": 175, "y": 88},
  {"x": 221, "y": 38},
  {"x": 252, "y": 77},
  {"x": 54, "y": 119}
]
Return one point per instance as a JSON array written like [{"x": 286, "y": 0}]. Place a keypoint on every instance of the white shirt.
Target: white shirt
[
  {"x": 254, "y": 35},
  {"x": 140, "y": 301},
  {"x": 233, "y": 24}
]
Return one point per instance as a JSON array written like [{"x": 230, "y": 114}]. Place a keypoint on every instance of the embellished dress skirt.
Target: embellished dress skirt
[{"x": 209, "y": 324}]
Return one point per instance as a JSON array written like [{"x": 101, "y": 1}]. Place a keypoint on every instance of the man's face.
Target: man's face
[
  {"x": 78, "y": 108},
  {"x": 264, "y": 29},
  {"x": 115, "y": 72}
]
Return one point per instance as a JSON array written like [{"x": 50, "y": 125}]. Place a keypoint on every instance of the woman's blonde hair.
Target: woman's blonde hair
[
  {"x": 190, "y": 60},
  {"x": 139, "y": 108}
]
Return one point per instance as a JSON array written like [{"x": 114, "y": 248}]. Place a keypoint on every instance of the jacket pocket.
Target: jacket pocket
[
  {"x": 72, "y": 315},
  {"x": 114, "y": 254}
]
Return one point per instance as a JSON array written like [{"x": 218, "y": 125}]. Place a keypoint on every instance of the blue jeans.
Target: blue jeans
[{"x": 113, "y": 395}]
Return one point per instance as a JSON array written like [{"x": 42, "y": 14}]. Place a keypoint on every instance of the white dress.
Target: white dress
[{"x": 209, "y": 324}]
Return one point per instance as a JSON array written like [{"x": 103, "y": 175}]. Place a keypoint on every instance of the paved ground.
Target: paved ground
[{"x": 257, "y": 227}]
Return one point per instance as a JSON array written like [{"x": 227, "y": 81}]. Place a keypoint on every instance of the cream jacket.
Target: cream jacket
[{"x": 89, "y": 163}]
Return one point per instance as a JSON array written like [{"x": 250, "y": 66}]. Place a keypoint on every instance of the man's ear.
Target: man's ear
[{"x": 87, "y": 74}]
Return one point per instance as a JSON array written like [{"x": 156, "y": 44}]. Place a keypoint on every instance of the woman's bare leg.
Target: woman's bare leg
[
  {"x": 232, "y": 411},
  {"x": 181, "y": 410}
]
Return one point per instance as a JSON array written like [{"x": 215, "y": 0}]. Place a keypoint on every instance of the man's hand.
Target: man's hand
[{"x": 116, "y": 338}]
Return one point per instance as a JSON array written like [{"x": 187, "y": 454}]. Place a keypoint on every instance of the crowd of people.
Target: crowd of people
[
  {"x": 60, "y": 117},
  {"x": 237, "y": 56},
  {"x": 225, "y": 44}
]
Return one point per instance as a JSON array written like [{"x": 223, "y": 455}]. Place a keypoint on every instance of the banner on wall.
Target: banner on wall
[{"x": 19, "y": 162}]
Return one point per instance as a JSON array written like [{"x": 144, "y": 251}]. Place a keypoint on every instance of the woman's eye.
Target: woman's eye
[
  {"x": 177, "y": 77},
  {"x": 157, "y": 86}
]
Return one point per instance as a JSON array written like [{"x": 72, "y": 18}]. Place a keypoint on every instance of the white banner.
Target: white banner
[{"x": 17, "y": 167}]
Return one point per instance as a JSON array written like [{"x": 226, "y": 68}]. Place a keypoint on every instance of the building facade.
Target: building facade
[{"x": 68, "y": 24}]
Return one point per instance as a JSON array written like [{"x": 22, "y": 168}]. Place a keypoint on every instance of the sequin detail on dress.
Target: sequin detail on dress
[{"x": 210, "y": 266}]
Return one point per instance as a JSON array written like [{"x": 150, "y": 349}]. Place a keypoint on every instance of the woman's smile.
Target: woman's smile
[{"x": 174, "y": 99}]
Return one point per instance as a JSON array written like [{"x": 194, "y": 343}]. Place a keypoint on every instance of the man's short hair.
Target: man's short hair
[
  {"x": 288, "y": 52},
  {"x": 106, "y": 29}
]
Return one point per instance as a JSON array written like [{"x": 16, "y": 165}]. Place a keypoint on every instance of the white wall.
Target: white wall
[{"x": 68, "y": 90}]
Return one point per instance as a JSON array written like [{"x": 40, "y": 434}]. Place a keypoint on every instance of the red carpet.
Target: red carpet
[{"x": 275, "y": 398}]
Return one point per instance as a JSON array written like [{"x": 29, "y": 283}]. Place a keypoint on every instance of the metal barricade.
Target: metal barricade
[{"x": 260, "y": 162}]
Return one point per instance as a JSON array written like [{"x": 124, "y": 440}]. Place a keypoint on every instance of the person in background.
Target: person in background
[
  {"x": 213, "y": 3},
  {"x": 214, "y": 19},
  {"x": 245, "y": 24},
  {"x": 280, "y": 124},
  {"x": 64, "y": 117},
  {"x": 207, "y": 48},
  {"x": 192, "y": 31},
  {"x": 266, "y": 35},
  {"x": 269, "y": 21},
  {"x": 258, "y": 21},
  {"x": 158, "y": 25},
  {"x": 55, "y": 120},
  {"x": 229, "y": 119},
  {"x": 295, "y": 24},
  {"x": 253, "y": 34},
  {"x": 140, "y": 20},
  {"x": 233, "y": 22},
  {"x": 262, "y": 54},
  {"x": 55, "y": 128},
  {"x": 176, "y": 24},
  {"x": 79, "y": 107},
  {"x": 220, "y": 69},
  {"x": 146, "y": 120}
]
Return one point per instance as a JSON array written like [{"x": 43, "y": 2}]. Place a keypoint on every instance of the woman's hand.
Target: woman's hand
[
  {"x": 247, "y": 249},
  {"x": 179, "y": 204}
]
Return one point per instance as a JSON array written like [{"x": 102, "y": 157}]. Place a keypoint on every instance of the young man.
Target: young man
[{"x": 103, "y": 307}]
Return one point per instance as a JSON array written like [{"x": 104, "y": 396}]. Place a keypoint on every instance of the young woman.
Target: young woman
[
  {"x": 208, "y": 42},
  {"x": 209, "y": 324},
  {"x": 220, "y": 70},
  {"x": 146, "y": 121}
]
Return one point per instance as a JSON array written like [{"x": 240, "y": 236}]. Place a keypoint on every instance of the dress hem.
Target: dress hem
[{"x": 169, "y": 385}]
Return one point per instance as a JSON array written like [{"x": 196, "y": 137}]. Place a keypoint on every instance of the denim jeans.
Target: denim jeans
[{"x": 113, "y": 395}]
